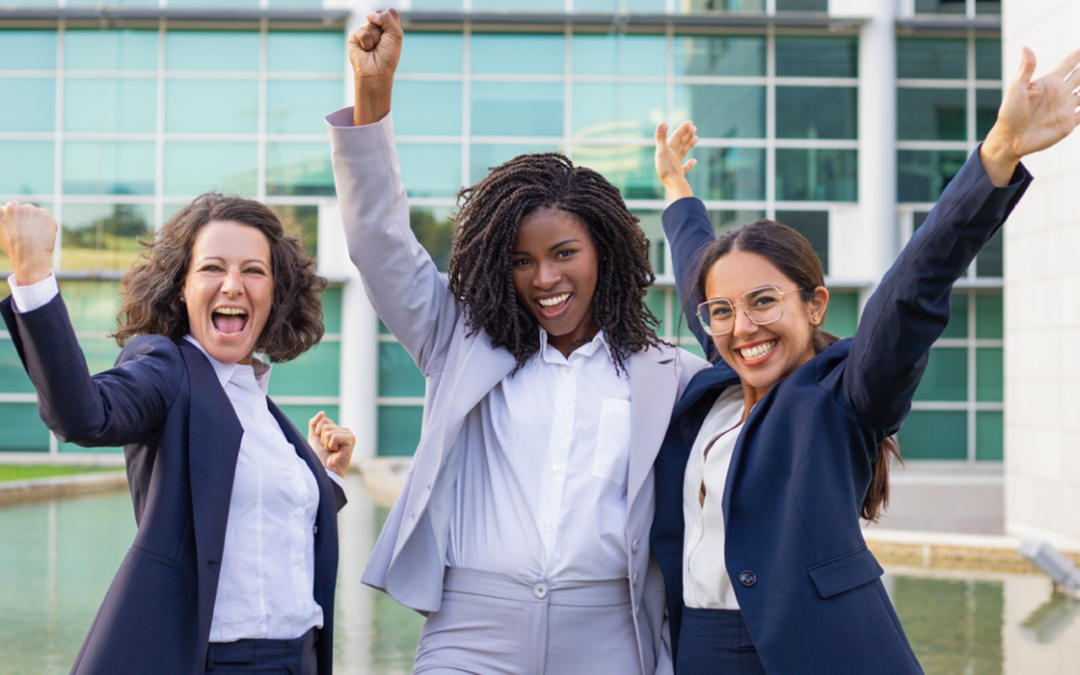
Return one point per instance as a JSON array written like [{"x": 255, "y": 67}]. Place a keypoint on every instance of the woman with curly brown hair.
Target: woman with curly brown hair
[{"x": 234, "y": 563}]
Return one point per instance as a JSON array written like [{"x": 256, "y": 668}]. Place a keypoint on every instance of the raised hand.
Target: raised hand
[
  {"x": 332, "y": 444},
  {"x": 1034, "y": 115},
  {"x": 28, "y": 236},
  {"x": 374, "y": 51},
  {"x": 670, "y": 153}
]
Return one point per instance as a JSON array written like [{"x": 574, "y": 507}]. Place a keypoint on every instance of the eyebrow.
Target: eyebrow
[
  {"x": 561, "y": 243},
  {"x": 219, "y": 258}
]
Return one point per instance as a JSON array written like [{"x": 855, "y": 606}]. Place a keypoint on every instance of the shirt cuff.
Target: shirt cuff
[
  {"x": 343, "y": 118},
  {"x": 339, "y": 480},
  {"x": 29, "y": 298}
]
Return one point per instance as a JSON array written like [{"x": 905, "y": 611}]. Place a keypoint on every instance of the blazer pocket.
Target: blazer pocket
[
  {"x": 845, "y": 573},
  {"x": 154, "y": 557},
  {"x": 612, "y": 458}
]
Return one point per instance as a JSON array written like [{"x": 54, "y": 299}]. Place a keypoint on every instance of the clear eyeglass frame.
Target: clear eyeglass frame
[{"x": 704, "y": 310}]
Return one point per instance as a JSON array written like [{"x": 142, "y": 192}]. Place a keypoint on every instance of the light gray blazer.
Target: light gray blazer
[{"x": 415, "y": 303}]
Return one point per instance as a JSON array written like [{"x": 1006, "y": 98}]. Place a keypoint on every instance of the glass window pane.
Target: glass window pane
[
  {"x": 921, "y": 175},
  {"x": 931, "y": 114},
  {"x": 617, "y": 110},
  {"x": 991, "y": 259},
  {"x": 212, "y": 50},
  {"x": 814, "y": 225},
  {"x": 619, "y": 54},
  {"x": 518, "y": 54},
  {"x": 92, "y": 305},
  {"x": 656, "y": 301},
  {"x": 316, "y": 372},
  {"x": 940, "y": 6},
  {"x": 113, "y": 49},
  {"x": 934, "y": 434},
  {"x": 27, "y": 168},
  {"x": 732, "y": 6},
  {"x": 309, "y": 52},
  {"x": 109, "y": 106},
  {"x": 724, "y": 221},
  {"x": 37, "y": 105},
  {"x": 109, "y": 167},
  {"x": 23, "y": 429},
  {"x": 802, "y": 5},
  {"x": 629, "y": 168},
  {"x": 720, "y": 55},
  {"x": 433, "y": 52},
  {"x": 931, "y": 58},
  {"x": 100, "y": 353},
  {"x": 13, "y": 377},
  {"x": 419, "y": 5},
  {"x": 515, "y": 5},
  {"x": 427, "y": 108},
  {"x": 987, "y": 102},
  {"x": 992, "y": 7},
  {"x": 299, "y": 169},
  {"x": 729, "y": 173},
  {"x": 301, "y": 221},
  {"x": 842, "y": 315},
  {"x": 99, "y": 237},
  {"x": 435, "y": 232},
  {"x": 945, "y": 378},
  {"x": 194, "y": 168},
  {"x": 817, "y": 112},
  {"x": 217, "y": 4},
  {"x": 610, "y": 6},
  {"x": 483, "y": 157},
  {"x": 987, "y": 59},
  {"x": 990, "y": 435},
  {"x": 650, "y": 223},
  {"x": 989, "y": 374},
  {"x": 299, "y": 415},
  {"x": 817, "y": 175},
  {"x": 298, "y": 106},
  {"x": 212, "y": 106},
  {"x": 398, "y": 374},
  {"x": 430, "y": 170},
  {"x": 399, "y": 429},
  {"x": 811, "y": 56},
  {"x": 331, "y": 305},
  {"x": 958, "y": 316},
  {"x": 517, "y": 109},
  {"x": 722, "y": 111},
  {"x": 989, "y": 323},
  {"x": 28, "y": 49}
]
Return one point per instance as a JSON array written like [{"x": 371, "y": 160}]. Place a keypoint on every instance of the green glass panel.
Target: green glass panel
[
  {"x": 430, "y": 170},
  {"x": 722, "y": 111},
  {"x": 517, "y": 109},
  {"x": 331, "y": 307},
  {"x": 194, "y": 168},
  {"x": 299, "y": 169},
  {"x": 991, "y": 259},
  {"x": 940, "y": 6},
  {"x": 727, "y": 220},
  {"x": 923, "y": 174},
  {"x": 399, "y": 429},
  {"x": 485, "y": 156},
  {"x": 23, "y": 429},
  {"x": 656, "y": 301},
  {"x": 627, "y": 167},
  {"x": 946, "y": 374},
  {"x": 383, "y": 330},
  {"x": 36, "y": 110},
  {"x": 306, "y": 52},
  {"x": 300, "y": 415},
  {"x": 990, "y": 435},
  {"x": 814, "y": 225},
  {"x": 988, "y": 7},
  {"x": 720, "y": 55},
  {"x": 298, "y": 106},
  {"x": 650, "y": 223},
  {"x": 987, "y": 102},
  {"x": 931, "y": 58},
  {"x": 113, "y": 49},
  {"x": 817, "y": 175},
  {"x": 98, "y": 237},
  {"x": 427, "y": 108},
  {"x": 435, "y": 231},
  {"x": 112, "y": 3},
  {"x": 989, "y": 316},
  {"x": 731, "y": 6},
  {"x": 958, "y": 316},
  {"x": 13, "y": 377},
  {"x": 817, "y": 112},
  {"x": 28, "y": 49},
  {"x": 433, "y": 52},
  {"x": 934, "y": 434},
  {"x": 212, "y": 50},
  {"x": 617, "y": 110},
  {"x": 100, "y": 353},
  {"x": 802, "y": 5},
  {"x": 987, "y": 59},
  {"x": 518, "y": 54},
  {"x": 842, "y": 317},
  {"x": 92, "y": 305},
  {"x": 301, "y": 221},
  {"x": 110, "y": 106},
  {"x": 235, "y": 108},
  {"x": 109, "y": 167},
  {"x": 813, "y": 56},
  {"x": 693, "y": 347},
  {"x": 398, "y": 374},
  {"x": 990, "y": 374},
  {"x": 316, "y": 372},
  {"x": 931, "y": 114},
  {"x": 619, "y": 54},
  {"x": 729, "y": 173},
  {"x": 27, "y": 168}
]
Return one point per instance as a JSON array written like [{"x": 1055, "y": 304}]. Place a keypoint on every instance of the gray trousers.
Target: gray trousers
[{"x": 493, "y": 624}]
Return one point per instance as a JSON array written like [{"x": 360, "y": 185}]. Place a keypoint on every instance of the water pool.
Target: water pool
[{"x": 58, "y": 557}]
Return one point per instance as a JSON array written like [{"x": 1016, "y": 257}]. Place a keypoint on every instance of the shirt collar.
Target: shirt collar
[
  {"x": 225, "y": 371},
  {"x": 550, "y": 354}
]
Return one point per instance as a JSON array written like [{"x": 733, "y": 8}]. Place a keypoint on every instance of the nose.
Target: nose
[
  {"x": 233, "y": 284},
  {"x": 547, "y": 275},
  {"x": 743, "y": 325}
]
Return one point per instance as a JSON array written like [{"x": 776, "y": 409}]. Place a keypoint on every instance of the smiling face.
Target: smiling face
[
  {"x": 555, "y": 268},
  {"x": 229, "y": 289}
]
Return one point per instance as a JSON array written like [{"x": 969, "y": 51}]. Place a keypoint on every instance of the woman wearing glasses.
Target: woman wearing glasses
[{"x": 775, "y": 452}]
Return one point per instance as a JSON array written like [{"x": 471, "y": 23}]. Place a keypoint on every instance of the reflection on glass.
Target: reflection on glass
[
  {"x": 398, "y": 435},
  {"x": 734, "y": 6},
  {"x": 991, "y": 7},
  {"x": 627, "y": 167},
  {"x": 534, "y": 5},
  {"x": 517, "y": 109},
  {"x": 305, "y": 52},
  {"x": 802, "y": 5},
  {"x": 99, "y": 237},
  {"x": 433, "y": 52},
  {"x": 212, "y": 50},
  {"x": 987, "y": 102},
  {"x": 945, "y": 378},
  {"x": 212, "y": 106},
  {"x": 931, "y": 58},
  {"x": 298, "y": 106},
  {"x": 299, "y": 169},
  {"x": 813, "y": 56},
  {"x": 729, "y": 173},
  {"x": 722, "y": 110},
  {"x": 23, "y": 428},
  {"x": 617, "y": 110},
  {"x": 484, "y": 156},
  {"x": 427, "y": 108},
  {"x": 817, "y": 175},
  {"x": 518, "y": 54},
  {"x": 990, "y": 436},
  {"x": 987, "y": 59},
  {"x": 194, "y": 168},
  {"x": 933, "y": 434},
  {"x": 430, "y": 170},
  {"x": 931, "y": 114},
  {"x": 107, "y": 106},
  {"x": 720, "y": 55},
  {"x": 27, "y": 168},
  {"x": 435, "y": 231},
  {"x": 842, "y": 317},
  {"x": 619, "y": 54},
  {"x": 36, "y": 110},
  {"x": 113, "y": 49},
  {"x": 726, "y": 220},
  {"x": 940, "y": 6},
  {"x": 198, "y": 4},
  {"x": 109, "y": 167},
  {"x": 398, "y": 374},
  {"x": 989, "y": 324},
  {"x": 27, "y": 49},
  {"x": 817, "y": 112},
  {"x": 608, "y": 6},
  {"x": 814, "y": 225},
  {"x": 990, "y": 374},
  {"x": 650, "y": 224},
  {"x": 921, "y": 175},
  {"x": 92, "y": 304},
  {"x": 316, "y": 372}
]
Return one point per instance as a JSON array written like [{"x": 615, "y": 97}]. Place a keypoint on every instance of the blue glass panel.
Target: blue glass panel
[
  {"x": 814, "y": 56},
  {"x": 212, "y": 50},
  {"x": 988, "y": 59},
  {"x": 814, "y": 225},
  {"x": 37, "y": 105},
  {"x": 28, "y": 49},
  {"x": 194, "y": 168},
  {"x": 212, "y": 106},
  {"x": 931, "y": 114},
  {"x": 518, "y": 54},
  {"x": 817, "y": 112},
  {"x": 617, "y": 110},
  {"x": 817, "y": 174},
  {"x": 109, "y": 167},
  {"x": 931, "y": 58},
  {"x": 940, "y": 6},
  {"x": 298, "y": 106},
  {"x": 311, "y": 52},
  {"x": 720, "y": 55},
  {"x": 433, "y": 52},
  {"x": 27, "y": 168},
  {"x": 107, "y": 106},
  {"x": 619, "y": 54},
  {"x": 299, "y": 169},
  {"x": 517, "y": 109},
  {"x": 722, "y": 111},
  {"x": 115, "y": 49},
  {"x": 427, "y": 108},
  {"x": 923, "y": 174},
  {"x": 987, "y": 102},
  {"x": 430, "y": 170},
  {"x": 629, "y": 168},
  {"x": 97, "y": 237},
  {"x": 483, "y": 156},
  {"x": 728, "y": 173}
]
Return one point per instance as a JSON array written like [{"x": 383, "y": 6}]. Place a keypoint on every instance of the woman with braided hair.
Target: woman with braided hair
[{"x": 522, "y": 529}]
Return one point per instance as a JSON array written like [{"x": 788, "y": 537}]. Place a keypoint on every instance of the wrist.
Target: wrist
[
  {"x": 32, "y": 272},
  {"x": 372, "y": 101},
  {"x": 998, "y": 157},
  {"x": 677, "y": 188}
]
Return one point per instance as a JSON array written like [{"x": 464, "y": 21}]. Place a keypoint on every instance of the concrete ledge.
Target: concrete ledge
[
  {"x": 13, "y": 492},
  {"x": 947, "y": 550},
  {"x": 383, "y": 477}
]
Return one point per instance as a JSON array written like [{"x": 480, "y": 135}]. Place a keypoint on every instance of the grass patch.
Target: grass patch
[{"x": 10, "y": 472}]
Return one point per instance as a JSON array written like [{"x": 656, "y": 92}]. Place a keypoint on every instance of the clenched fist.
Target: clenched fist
[
  {"x": 374, "y": 51},
  {"x": 28, "y": 236},
  {"x": 333, "y": 444}
]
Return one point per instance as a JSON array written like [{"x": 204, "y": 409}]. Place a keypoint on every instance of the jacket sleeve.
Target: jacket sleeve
[
  {"x": 123, "y": 405},
  {"x": 910, "y": 308},
  {"x": 405, "y": 287},
  {"x": 689, "y": 232}
]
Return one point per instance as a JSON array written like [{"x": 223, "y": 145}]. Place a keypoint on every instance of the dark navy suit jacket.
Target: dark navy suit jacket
[
  {"x": 807, "y": 585},
  {"x": 164, "y": 404}
]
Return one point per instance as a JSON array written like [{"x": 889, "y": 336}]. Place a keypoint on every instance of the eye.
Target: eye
[
  {"x": 254, "y": 270},
  {"x": 765, "y": 301},
  {"x": 720, "y": 311},
  {"x": 519, "y": 262},
  {"x": 209, "y": 268},
  {"x": 565, "y": 253}
]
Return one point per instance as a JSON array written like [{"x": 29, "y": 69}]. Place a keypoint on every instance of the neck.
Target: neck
[{"x": 567, "y": 344}]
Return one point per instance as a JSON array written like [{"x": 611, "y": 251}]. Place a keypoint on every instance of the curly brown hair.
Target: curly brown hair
[{"x": 152, "y": 289}]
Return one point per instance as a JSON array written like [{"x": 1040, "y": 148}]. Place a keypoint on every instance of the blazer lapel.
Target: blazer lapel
[{"x": 653, "y": 388}]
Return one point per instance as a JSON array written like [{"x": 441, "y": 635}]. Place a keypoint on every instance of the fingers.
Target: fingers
[
  {"x": 1066, "y": 67},
  {"x": 1027, "y": 66},
  {"x": 684, "y": 138},
  {"x": 367, "y": 36},
  {"x": 690, "y": 164},
  {"x": 314, "y": 422},
  {"x": 661, "y": 133}
]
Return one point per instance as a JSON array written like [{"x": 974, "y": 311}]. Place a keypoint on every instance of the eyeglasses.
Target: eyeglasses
[{"x": 762, "y": 306}]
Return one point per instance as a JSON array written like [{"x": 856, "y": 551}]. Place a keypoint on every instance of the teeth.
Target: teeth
[
  {"x": 755, "y": 353},
  {"x": 557, "y": 300},
  {"x": 230, "y": 310}
]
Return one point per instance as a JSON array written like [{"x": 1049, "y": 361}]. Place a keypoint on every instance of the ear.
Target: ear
[{"x": 816, "y": 307}]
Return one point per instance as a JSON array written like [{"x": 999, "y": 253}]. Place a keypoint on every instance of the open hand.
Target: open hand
[
  {"x": 332, "y": 444},
  {"x": 28, "y": 236},
  {"x": 374, "y": 52},
  {"x": 670, "y": 153}
]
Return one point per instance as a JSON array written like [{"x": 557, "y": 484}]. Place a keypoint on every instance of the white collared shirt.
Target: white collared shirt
[{"x": 541, "y": 491}]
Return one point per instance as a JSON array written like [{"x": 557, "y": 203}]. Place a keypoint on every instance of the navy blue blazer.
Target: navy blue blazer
[
  {"x": 809, "y": 589},
  {"x": 164, "y": 404}
]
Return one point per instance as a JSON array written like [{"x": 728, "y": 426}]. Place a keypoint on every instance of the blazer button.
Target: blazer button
[
  {"x": 635, "y": 546},
  {"x": 747, "y": 578}
]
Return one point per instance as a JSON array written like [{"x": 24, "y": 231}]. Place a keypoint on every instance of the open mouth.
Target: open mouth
[
  {"x": 553, "y": 306},
  {"x": 757, "y": 353},
  {"x": 229, "y": 322}
]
